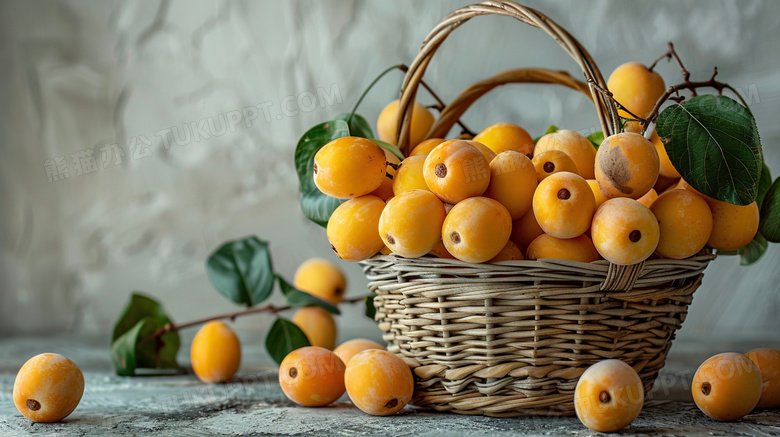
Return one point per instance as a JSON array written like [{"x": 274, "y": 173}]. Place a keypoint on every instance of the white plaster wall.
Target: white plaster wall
[{"x": 79, "y": 75}]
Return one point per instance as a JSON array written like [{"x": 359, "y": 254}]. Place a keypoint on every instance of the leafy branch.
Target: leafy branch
[
  {"x": 267, "y": 308},
  {"x": 713, "y": 142},
  {"x": 145, "y": 337}
]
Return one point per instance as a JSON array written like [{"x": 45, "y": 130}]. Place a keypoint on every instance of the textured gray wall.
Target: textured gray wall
[{"x": 94, "y": 77}]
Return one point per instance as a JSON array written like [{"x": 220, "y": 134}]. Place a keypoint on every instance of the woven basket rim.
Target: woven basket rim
[
  {"x": 609, "y": 277},
  {"x": 707, "y": 254}
]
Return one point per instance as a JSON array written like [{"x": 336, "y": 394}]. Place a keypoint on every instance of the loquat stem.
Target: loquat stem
[
  {"x": 404, "y": 68},
  {"x": 609, "y": 95},
  {"x": 267, "y": 308},
  {"x": 666, "y": 55},
  {"x": 690, "y": 85},
  {"x": 686, "y": 74},
  {"x": 441, "y": 105},
  {"x": 673, "y": 92},
  {"x": 401, "y": 67}
]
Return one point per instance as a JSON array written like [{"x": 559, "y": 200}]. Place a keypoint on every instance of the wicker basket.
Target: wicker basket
[{"x": 512, "y": 338}]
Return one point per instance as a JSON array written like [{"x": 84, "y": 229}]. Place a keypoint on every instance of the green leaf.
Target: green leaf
[
  {"x": 123, "y": 350},
  {"x": 137, "y": 308},
  {"x": 283, "y": 338},
  {"x": 769, "y": 226},
  {"x": 764, "y": 182},
  {"x": 370, "y": 308},
  {"x": 552, "y": 129},
  {"x": 596, "y": 138},
  {"x": 358, "y": 126},
  {"x": 316, "y": 206},
  {"x": 241, "y": 270},
  {"x": 751, "y": 253},
  {"x": 140, "y": 318},
  {"x": 389, "y": 147},
  {"x": 297, "y": 298},
  {"x": 713, "y": 142}
]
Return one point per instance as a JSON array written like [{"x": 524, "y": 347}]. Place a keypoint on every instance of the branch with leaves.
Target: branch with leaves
[
  {"x": 267, "y": 308},
  {"x": 145, "y": 337},
  {"x": 713, "y": 142}
]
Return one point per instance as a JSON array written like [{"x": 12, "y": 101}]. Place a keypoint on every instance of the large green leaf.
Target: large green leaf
[
  {"x": 241, "y": 270},
  {"x": 316, "y": 206},
  {"x": 283, "y": 338},
  {"x": 713, "y": 142},
  {"x": 358, "y": 126},
  {"x": 129, "y": 350},
  {"x": 769, "y": 225},
  {"x": 297, "y": 298}
]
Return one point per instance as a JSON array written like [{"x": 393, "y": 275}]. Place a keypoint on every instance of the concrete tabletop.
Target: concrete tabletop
[{"x": 253, "y": 403}]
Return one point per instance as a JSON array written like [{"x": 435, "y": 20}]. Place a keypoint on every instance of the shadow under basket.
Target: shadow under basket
[{"x": 512, "y": 338}]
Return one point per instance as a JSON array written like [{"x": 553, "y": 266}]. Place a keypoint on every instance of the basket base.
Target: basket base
[{"x": 512, "y": 338}]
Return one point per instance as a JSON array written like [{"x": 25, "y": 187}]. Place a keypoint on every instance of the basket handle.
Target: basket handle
[
  {"x": 452, "y": 112},
  {"x": 606, "y": 109}
]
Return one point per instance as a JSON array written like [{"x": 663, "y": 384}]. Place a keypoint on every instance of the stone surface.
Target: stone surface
[{"x": 253, "y": 404}]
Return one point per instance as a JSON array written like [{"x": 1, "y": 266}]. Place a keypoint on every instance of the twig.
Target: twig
[
  {"x": 686, "y": 74},
  {"x": 667, "y": 55},
  {"x": 691, "y": 86},
  {"x": 268, "y": 308},
  {"x": 401, "y": 67},
  {"x": 441, "y": 105},
  {"x": 404, "y": 69},
  {"x": 673, "y": 92},
  {"x": 609, "y": 95}
]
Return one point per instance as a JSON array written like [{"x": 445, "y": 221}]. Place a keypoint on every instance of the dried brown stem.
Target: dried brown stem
[
  {"x": 691, "y": 86},
  {"x": 673, "y": 92},
  {"x": 609, "y": 95},
  {"x": 686, "y": 74},
  {"x": 267, "y": 308},
  {"x": 440, "y": 103},
  {"x": 666, "y": 55}
]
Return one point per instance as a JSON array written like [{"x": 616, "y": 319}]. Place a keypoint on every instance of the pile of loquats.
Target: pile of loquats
[{"x": 503, "y": 196}]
